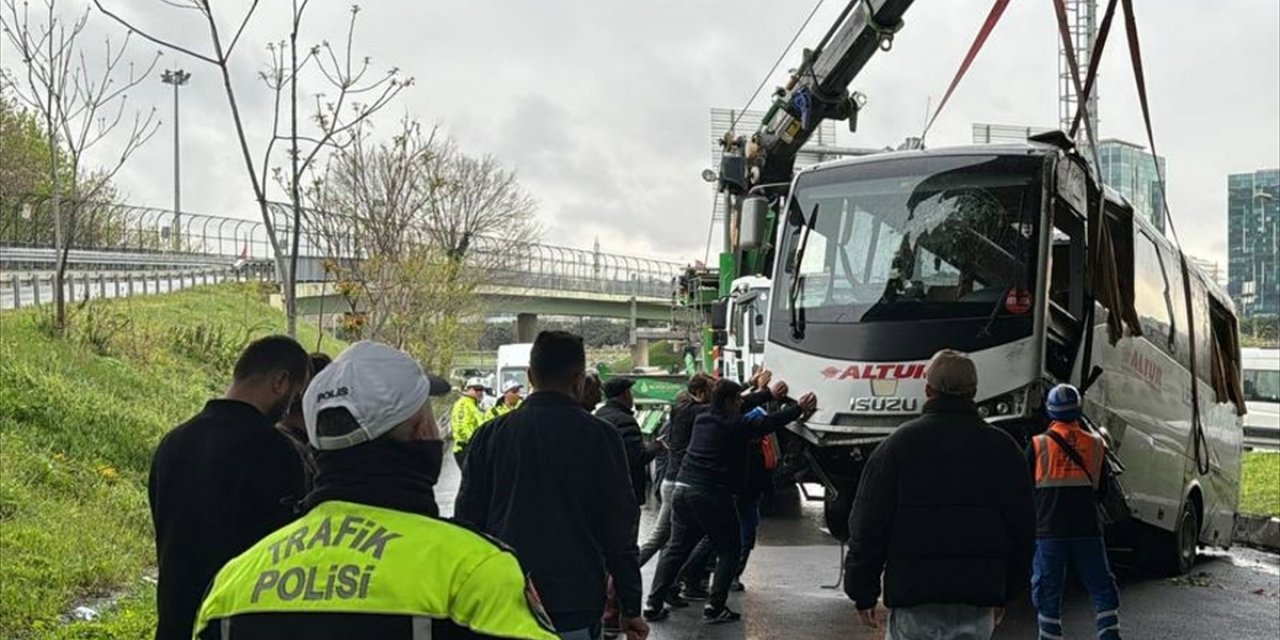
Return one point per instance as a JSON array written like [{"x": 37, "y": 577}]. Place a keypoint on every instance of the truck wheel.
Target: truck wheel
[
  {"x": 835, "y": 511},
  {"x": 1173, "y": 553}
]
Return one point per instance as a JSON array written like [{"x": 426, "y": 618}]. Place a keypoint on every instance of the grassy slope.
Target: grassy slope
[
  {"x": 79, "y": 418},
  {"x": 1260, "y": 491}
]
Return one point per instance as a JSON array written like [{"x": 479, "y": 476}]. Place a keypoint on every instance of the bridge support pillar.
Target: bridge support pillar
[
  {"x": 640, "y": 353},
  {"x": 526, "y": 327}
]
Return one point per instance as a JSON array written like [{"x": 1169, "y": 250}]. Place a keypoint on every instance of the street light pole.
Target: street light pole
[{"x": 177, "y": 78}]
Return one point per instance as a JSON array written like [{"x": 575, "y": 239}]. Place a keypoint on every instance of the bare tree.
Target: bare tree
[
  {"x": 423, "y": 225},
  {"x": 358, "y": 94},
  {"x": 473, "y": 197},
  {"x": 366, "y": 204},
  {"x": 83, "y": 100}
]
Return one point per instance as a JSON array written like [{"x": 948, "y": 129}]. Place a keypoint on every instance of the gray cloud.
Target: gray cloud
[{"x": 602, "y": 106}]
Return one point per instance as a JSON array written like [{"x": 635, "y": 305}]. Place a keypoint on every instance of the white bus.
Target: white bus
[{"x": 1013, "y": 255}]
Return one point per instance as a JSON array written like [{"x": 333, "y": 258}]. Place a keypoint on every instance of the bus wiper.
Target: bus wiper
[
  {"x": 995, "y": 311},
  {"x": 793, "y": 295}
]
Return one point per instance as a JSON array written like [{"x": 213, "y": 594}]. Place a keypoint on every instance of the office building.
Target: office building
[
  {"x": 1253, "y": 242},
  {"x": 1128, "y": 168}
]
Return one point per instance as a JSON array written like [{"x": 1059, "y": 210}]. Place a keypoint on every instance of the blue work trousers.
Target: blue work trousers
[{"x": 1089, "y": 558}]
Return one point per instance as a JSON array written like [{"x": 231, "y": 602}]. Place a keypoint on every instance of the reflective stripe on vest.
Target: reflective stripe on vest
[
  {"x": 350, "y": 558},
  {"x": 1054, "y": 468}
]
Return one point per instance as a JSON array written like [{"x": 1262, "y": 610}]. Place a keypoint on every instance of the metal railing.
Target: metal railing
[
  {"x": 126, "y": 237},
  {"x": 18, "y": 290}
]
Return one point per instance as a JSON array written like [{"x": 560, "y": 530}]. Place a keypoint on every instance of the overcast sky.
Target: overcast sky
[{"x": 602, "y": 106}]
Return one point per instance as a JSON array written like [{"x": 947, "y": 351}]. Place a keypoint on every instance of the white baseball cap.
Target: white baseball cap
[
  {"x": 381, "y": 387},
  {"x": 512, "y": 385},
  {"x": 476, "y": 383}
]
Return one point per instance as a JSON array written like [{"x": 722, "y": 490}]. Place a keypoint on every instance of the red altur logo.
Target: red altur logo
[{"x": 876, "y": 372}]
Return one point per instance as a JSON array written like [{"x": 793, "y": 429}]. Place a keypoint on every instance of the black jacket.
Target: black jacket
[
  {"x": 218, "y": 483},
  {"x": 682, "y": 417},
  {"x": 552, "y": 481},
  {"x": 717, "y": 453},
  {"x": 945, "y": 511},
  {"x": 639, "y": 456}
]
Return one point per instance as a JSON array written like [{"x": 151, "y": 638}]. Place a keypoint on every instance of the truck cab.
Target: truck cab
[{"x": 747, "y": 317}]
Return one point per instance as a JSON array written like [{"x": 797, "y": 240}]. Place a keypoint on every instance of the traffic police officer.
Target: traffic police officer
[
  {"x": 509, "y": 400},
  {"x": 466, "y": 417},
  {"x": 369, "y": 559}
]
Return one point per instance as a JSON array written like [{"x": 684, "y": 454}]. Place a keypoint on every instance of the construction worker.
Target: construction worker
[
  {"x": 370, "y": 559},
  {"x": 466, "y": 417},
  {"x": 1068, "y": 464},
  {"x": 510, "y": 400}
]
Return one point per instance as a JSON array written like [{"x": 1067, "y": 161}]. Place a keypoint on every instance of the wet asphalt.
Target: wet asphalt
[{"x": 789, "y": 592}]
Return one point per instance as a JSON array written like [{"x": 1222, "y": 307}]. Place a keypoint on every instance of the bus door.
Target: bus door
[{"x": 1068, "y": 292}]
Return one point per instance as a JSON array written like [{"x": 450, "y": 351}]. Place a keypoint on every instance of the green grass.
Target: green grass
[
  {"x": 1260, "y": 488},
  {"x": 79, "y": 418}
]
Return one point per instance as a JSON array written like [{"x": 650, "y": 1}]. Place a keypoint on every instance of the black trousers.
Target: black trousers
[{"x": 697, "y": 512}]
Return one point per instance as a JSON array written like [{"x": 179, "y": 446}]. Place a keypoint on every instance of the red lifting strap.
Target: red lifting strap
[{"x": 992, "y": 18}]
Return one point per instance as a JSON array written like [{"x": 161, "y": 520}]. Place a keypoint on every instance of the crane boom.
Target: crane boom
[{"x": 817, "y": 91}]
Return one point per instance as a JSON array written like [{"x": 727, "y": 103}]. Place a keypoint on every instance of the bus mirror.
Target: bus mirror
[
  {"x": 719, "y": 315},
  {"x": 719, "y": 337}
]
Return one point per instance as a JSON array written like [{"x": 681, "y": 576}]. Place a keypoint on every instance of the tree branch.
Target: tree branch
[
  {"x": 164, "y": 43},
  {"x": 243, "y": 23}
]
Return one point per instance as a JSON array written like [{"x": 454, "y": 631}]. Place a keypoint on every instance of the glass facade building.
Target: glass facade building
[
  {"x": 1127, "y": 168},
  {"x": 1253, "y": 242}
]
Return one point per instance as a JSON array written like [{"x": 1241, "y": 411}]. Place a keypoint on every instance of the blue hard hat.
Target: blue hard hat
[{"x": 1063, "y": 403}]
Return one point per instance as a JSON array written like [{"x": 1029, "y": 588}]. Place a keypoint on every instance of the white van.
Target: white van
[
  {"x": 1262, "y": 393},
  {"x": 513, "y": 364}
]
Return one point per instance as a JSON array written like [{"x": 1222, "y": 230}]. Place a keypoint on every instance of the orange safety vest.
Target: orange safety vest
[{"x": 1054, "y": 468}]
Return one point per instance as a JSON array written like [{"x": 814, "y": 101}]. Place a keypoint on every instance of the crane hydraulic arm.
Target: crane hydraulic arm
[{"x": 817, "y": 91}]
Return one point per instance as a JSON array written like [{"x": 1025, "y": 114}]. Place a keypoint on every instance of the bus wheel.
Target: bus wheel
[
  {"x": 1174, "y": 553},
  {"x": 836, "y": 510}
]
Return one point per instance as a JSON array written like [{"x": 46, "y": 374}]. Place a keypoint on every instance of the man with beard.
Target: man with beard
[
  {"x": 225, "y": 478},
  {"x": 293, "y": 425}
]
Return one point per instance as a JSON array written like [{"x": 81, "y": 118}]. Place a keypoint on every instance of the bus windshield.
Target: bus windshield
[{"x": 924, "y": 238}]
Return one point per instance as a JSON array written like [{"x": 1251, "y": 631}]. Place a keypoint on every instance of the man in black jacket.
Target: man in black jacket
[
  {"x": 225, "y": 478},
  {"x": 619, "y": 411},
  {"x": 551, "y": 480},
  {"x": 945, "y": 511},
  {"x": 714, "y": 469},
  {"x": 688, "y": 406}
]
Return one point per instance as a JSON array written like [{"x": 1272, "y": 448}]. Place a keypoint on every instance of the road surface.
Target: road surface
[{"x": 1230, "y": 595}]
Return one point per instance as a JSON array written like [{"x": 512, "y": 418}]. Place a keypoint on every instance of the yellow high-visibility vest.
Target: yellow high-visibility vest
[{"x": 344, "y": 557}]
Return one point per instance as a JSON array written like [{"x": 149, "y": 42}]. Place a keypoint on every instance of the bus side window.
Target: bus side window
[
  {"x": 1177, "y": 299},
  {"x": 1151, "y": 289},
  {"x": 1227, "y": 383}
]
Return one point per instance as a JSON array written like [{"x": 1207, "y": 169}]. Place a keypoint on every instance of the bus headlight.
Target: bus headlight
[{"x": 1004, "y": 406}]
